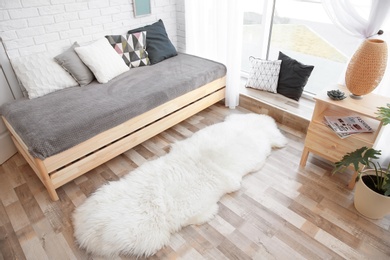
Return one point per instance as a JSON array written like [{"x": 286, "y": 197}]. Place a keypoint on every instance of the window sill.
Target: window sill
[{"x": 286, "y": 111}]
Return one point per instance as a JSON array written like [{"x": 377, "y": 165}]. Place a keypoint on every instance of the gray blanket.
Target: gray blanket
[{"x": 60, "y": 120}]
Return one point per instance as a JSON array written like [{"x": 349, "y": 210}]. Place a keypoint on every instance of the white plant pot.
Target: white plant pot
[{"x": 369, "y": 203}]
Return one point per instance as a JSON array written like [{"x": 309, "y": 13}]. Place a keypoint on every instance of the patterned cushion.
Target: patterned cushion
[
  {"x": 264, "y": 74},
  {"x": 131, "y": 47}
]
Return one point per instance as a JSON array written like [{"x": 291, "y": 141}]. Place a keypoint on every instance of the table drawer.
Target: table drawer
[{"x": 324, "y": 142}]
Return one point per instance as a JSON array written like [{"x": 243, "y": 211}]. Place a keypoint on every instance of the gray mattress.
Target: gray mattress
[{"x": 60, "y": 120}]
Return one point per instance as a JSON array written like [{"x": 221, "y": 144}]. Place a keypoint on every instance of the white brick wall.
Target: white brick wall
[
  {"x": 30, "y": 26},
  {"x": 181, "y": 26}
]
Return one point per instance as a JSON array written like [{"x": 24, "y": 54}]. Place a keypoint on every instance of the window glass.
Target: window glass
[
  {"x": 252, "y": 39},
  {"x": 302, "y": 30}
]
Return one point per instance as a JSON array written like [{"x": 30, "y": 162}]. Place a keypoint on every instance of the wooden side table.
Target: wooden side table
[{"x": 322, "y": 141}]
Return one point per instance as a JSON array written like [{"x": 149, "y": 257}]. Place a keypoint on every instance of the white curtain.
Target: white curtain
[
  {"x": 214, "y": 31},
  {"x": 344, "y": 14}
]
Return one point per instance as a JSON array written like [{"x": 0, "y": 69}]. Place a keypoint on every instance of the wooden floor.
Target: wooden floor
[{"x": 281, "y": 212}]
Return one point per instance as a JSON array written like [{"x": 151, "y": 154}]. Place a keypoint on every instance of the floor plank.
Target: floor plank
[{"x": 281, "y": 211}]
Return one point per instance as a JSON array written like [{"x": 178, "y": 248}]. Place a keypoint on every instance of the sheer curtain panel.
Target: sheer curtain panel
[
  {"x": 344, "y": 14},
  {"x": 214, "y": 31}
]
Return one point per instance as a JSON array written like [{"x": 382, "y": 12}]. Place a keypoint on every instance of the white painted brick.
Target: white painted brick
[
  {"x": 37, "y": 21},
  {"x": 66, "y": 17},
  {"x": 9, "y": 35},
  {"x": 53, "y": 9},
  {"x": 24, "y": 51},
  {"x": 31, "y": 3},
  {"x": 111, "y": 10},
  {"x": 119, "y": 31},
  {"x": 181, "y": 39},
  {"x": 98, "y": 4},
  {"x": 89, "y": 13},
  {"x": 162, "y": 2},
  {"x": 147, "y": 19},
  {"x": 168, "y": 9},
  {"x": 166, "y": 18},
  {"x": 133, "y": 24},
  {"x": 71, "y": 33},
  {"x": 19, "y": 43},
  {"x": 80, "y": 23},
  {"x": 30, "y": 32},
  {"x": 102, "y": 20},
  {"x": 157, "y": 10},
  {"x": 23, "y": 13},
  {"x": 4, "y": 15},
  {"x": 8, "y": 4},
  {"x": 49, "y": 37},
  {"x": 93, "y": 29},
  {"x": 58, "y": 46},
  {"x": 180, "y": 27},
  {"x": 57, "y": 27},
  {"x": 125, "y": 25},
  {"x": 120, "y": 2},
  {"x": 76, "y": 7},
  {"x": 13, "y": 53},
  {"x": 61, "y": 22},
  {"x": 122, "y": 16},
  {"x": 111, "y": 26},
  {"x": 56, "y": 2},
  {"x": 83, "y": 40},
  {"x": 13, "y": 25},
  {"x": 98, "y": 36},
  {"x": 180, "y": 7}
]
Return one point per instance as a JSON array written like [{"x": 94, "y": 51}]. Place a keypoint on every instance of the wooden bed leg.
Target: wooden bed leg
[{"x": 46, "y": 179}]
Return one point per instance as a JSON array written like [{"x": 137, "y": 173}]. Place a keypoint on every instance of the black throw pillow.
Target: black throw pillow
[
  {"x": 158, "y": 45},
  {"x": 293, "y": 77}
]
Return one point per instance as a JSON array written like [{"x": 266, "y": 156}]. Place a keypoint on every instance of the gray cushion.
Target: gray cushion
[{"x": 71, "y": 62}]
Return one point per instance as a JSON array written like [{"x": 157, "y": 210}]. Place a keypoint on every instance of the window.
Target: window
[
  {"x": 302, "y": 30},
  {"x": 256, "y": 25},
  {"x": 252, "y": 32}
]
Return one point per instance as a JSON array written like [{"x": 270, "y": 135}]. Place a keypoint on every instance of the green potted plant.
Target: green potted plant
[{"x": 372, "y": 193}]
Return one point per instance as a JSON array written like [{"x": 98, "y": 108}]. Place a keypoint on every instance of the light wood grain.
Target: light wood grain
[
  {"x": 322, "y": 140},
  {"x": 281, "y": 212},
  {"x": 63, "y": 167}
]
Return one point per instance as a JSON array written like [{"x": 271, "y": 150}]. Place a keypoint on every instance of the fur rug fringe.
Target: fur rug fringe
[{"x": 137, "y": 214}]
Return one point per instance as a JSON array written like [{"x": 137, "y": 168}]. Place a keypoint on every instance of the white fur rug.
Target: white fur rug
[{"x": 137, "y": 214}]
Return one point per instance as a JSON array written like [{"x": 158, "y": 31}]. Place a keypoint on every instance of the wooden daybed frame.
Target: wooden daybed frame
[{"x": 64, "y": 167}]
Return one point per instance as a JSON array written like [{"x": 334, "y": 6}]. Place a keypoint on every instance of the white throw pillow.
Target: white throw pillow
[
  {"x": 40, "y": 74},
  {"x": 264, "y": 74},
  {"x": 102, "y": 60}
]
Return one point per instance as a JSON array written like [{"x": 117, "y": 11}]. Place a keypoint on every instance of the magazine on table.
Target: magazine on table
[
  {"x": 341, "y": 135},
  {"x": 345, "y": 126}
]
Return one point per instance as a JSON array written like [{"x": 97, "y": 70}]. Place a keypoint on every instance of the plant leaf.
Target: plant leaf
[
  {"x": 354, "y": 158},
  {"x": 386, "y": 186},
  {"x": 384, "y": 114},
  {"x": 387, "y": 190},
  {"x": 370, "y": 154}
]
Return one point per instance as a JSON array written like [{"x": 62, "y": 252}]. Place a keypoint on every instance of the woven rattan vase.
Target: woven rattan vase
[{"x": 366, "y": 68}]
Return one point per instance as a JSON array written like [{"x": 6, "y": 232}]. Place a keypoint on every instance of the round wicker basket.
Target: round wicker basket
[{"x": 366, "y": 68}]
